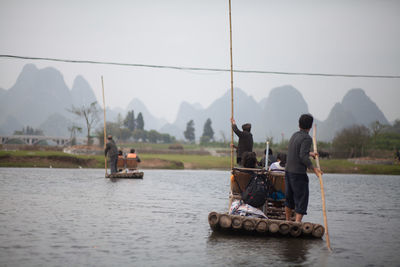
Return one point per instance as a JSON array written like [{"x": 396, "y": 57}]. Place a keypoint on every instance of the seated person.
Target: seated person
[
  {"x": 280, "y": 163},
  {"x": 133, "y": 155},
  {"x": 249, "y": 160},
  {"x": 271, "y": 158}
]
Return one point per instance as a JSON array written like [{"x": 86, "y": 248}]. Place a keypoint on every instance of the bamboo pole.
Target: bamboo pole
[
  {"x": 231, "y": 60},
  {"x": 104, "y": 108},
  {"x": 266, "y": 156},
  {"x": 328, "y": 243}
]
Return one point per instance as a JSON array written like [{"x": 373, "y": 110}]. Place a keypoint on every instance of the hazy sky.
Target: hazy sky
[{"x": 352, "y": 37}]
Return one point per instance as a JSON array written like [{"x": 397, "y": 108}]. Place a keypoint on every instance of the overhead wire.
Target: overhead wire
[{"x": 203, "y": 69}]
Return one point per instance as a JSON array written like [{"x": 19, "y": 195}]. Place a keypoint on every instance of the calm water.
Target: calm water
[{"x": 64, "y": 217}]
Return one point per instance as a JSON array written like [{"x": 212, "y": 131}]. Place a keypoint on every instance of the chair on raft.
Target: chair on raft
[
  {"x": 120, "y": 164},
  {"x": 274, "y": 206},
  {"x": 131, "y": 164}
]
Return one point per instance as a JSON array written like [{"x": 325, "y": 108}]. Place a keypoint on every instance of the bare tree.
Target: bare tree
[{"x": 90, "y": 114}]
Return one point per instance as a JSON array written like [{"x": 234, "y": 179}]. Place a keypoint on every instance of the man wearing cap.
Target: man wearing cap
[
  {"x": 112, "y": 151},
  {"x": 245, "y": 140}
]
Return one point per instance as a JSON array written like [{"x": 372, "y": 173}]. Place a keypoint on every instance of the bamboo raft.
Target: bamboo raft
[
  {"x": 127, "y": 169},
  {"x": 126, "y": 175},
  {"x": 276, "y": 223}
]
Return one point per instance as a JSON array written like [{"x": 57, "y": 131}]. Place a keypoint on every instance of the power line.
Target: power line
[{"x": 204, "y": 69}]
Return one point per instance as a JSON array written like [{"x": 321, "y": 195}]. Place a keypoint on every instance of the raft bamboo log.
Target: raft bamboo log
[
  {"x": 284, "y": 228},
  {"x": 225, "y": 221},
  {"x": 328, "y": 243},
  {"x": 249, "y": 224},
  {"x": 262, "y": 226},
  {"x": 213, "y": 219},
  {"x": 237, "y": 222},
  {"x": 318, "y": 231},
  {"x": 273, "y": 227},
  {"x": 295, "y": 229},
  {"x": 104, "y": 108},
  {"x": 307, "y": 228}
]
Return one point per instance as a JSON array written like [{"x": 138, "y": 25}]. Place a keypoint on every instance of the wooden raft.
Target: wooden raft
[
  {"x": 130, "y": 167},
  {"x": 273, "y": 208},
  {"x": 126, "y": 175},
  {"x": 226, "y": 222}
]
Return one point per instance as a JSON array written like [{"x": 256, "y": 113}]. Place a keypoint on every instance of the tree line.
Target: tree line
[
  {"x": 206, "y": 137},
  {"x": 132, "y": 128}
]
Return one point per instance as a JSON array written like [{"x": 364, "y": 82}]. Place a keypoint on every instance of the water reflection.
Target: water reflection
[{"x": 273, "y": 249}]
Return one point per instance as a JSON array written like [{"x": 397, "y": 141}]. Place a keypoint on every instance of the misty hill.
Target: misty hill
[
  {"x": 219, "y": 112},
  {"x": 56, "y": 125},
  {"x": 277, "y": 114},
  {"x": 37, "y": 95},
  {"x": 150, "y": 122},
  {"x": 270, "y": 117},
  {"x": 40, "y": 98},
  {"x": 81, "y": 92},
  {"x": 356, "y": 108},
  {"x": 281, "y": 111}
]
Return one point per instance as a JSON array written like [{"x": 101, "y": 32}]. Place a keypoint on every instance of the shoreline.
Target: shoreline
[{"x": 58, "y": 159}]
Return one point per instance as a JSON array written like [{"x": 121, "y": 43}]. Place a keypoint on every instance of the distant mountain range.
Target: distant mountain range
[{"x": 40, "y": 98}]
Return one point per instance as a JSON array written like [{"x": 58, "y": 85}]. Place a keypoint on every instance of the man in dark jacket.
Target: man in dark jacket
[
  {"x": 245, "y": 140},
  {"x": 297, "y": 163},
  {"x": 112, "y": 151}
]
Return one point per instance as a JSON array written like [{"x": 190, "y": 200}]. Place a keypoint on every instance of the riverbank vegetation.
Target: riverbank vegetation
[{"x": 58, "y": 159}]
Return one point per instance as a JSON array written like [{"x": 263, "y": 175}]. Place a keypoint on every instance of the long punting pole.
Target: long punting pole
[
  {"x": 266, "y": 156},
  {"x": 230, "y": 35},
  {"x": 328, "y": 243},
  {"x": 104, "y": 108}
]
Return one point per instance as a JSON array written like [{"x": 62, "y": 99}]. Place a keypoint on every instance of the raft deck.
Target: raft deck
[{"x": 127, "y": 169}]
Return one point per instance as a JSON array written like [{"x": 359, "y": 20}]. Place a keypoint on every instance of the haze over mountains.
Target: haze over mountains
[{"x": 40, "y": 98}]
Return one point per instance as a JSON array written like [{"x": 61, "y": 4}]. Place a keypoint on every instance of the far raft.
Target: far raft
[{"x": 127, "y": 168}]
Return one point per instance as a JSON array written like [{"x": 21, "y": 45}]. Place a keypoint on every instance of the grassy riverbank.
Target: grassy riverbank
[{"x": 58, "y": 159}]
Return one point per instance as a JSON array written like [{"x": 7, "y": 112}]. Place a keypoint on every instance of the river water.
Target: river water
[{"x": 76, "y": 217}]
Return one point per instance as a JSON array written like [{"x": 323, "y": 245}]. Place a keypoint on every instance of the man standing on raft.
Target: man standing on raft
[
  {"x": 112, "y": 150},
  {"x": 245, "y": 143},
  {"x": 298, "y": 161}
]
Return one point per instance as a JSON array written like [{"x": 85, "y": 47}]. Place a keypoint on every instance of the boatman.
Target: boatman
[
  {"x": 112, "y": 151},
  {"x": 245, "y": 143},
  {"x": 297, "y": 163}
]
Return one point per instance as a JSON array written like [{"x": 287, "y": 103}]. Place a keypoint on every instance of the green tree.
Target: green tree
[
  {"x": 208, "y": 132},
  {"x": 351, "y": 142},
  {"x": 140, "y": 122},
  {"x": 153, "y": 136},
  {"x": 90, "y": 114},
  {"x": 129, "y": 121},
  {"x": 139, "y": 135},
  {"x": 167, "y": 139},
  {"x": 189, "y": 133}
]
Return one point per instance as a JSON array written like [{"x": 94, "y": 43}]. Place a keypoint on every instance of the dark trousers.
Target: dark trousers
[
  {"x": 113, "y": 163},
  {"x": 297, "y": 192}
]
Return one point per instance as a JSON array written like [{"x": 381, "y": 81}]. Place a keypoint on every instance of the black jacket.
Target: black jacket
[
  {"x": 298, "y": 156},
  {"x": 111, "y": 148},
  {"x": 245, "y": 141}
]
